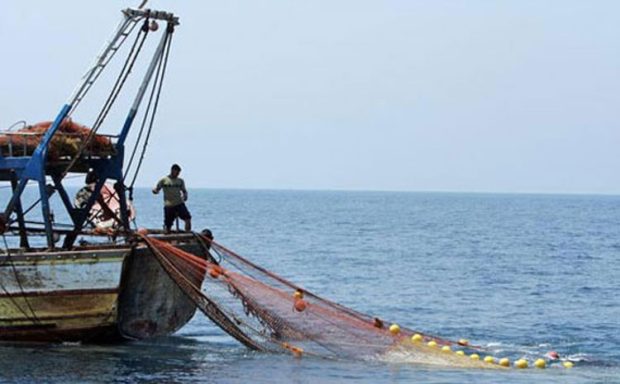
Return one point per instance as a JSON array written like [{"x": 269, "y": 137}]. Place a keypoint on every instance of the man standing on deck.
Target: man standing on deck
[{"x": 175, "y": 196}]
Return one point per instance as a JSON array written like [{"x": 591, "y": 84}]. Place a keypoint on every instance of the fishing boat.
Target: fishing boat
[{"x": 89, "y": 280}]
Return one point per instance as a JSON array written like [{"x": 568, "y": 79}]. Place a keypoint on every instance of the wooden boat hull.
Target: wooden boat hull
[{"x": 90, "y": 295}]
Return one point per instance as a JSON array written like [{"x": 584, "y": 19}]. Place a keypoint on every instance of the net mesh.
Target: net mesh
[{"x": 266, "y": 312}]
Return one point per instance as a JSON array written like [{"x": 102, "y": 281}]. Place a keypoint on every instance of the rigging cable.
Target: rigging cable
[
  {"x": 120, "y": 82},
  {"x": 162, "y": 65},
  {"x": 127, "y": 25},
  {"x": 144, "y": 120}
]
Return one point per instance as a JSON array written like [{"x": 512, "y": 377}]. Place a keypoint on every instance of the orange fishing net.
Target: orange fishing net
[
  {"x": 266, "y": 312},
  {"x": 66, "y": 141}
]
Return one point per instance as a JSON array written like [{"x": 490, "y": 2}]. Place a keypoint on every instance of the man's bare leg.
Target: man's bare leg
[{"x": 188, "y": 225}]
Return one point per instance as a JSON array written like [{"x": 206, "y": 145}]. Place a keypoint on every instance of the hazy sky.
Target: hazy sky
[{"x": 498, "y": 96}]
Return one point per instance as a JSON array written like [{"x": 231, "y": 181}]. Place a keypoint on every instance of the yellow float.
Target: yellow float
[
  {"x": 540, "y": 363},
  {"x": 504, "y": 362},
  {"x": 394, "y": 329},
  {"x": 417, "y": 338},
  {"x": 521, "y": 364}
]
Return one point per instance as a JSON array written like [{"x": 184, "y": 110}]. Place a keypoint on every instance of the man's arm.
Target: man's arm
[
  {"x": 185, "y": 196},
  {"x": 158, "y": 187}
]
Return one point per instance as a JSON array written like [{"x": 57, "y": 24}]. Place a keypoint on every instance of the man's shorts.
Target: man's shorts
[{"x": 171, "y": 213}]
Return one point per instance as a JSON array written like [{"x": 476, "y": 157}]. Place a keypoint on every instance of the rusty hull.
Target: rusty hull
[
  {"x": 91, "y": 294},
  {"x": 150, "y": 302}
]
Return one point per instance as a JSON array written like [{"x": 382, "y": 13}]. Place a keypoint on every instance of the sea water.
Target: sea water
[{"x": 520, "y": 274}]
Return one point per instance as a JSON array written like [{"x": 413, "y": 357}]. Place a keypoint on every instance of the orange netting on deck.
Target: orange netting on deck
[
  {"x": 65, "y": 143},
  {"x": 266, "y": 312}
]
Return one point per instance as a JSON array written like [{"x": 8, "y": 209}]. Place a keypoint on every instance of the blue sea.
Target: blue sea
[{"x": 522, "y": 274}]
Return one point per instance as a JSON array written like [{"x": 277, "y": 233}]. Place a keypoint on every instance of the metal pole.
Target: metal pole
[
  {"x": 23, "y": 237},
  {"x": 109, "y": 49},
  {"x": 45, "y": 211},
  {"x": 157, "y": 56}
]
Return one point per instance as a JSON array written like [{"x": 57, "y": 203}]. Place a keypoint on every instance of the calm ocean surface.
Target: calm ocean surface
[{"x": 523, "y": 274}]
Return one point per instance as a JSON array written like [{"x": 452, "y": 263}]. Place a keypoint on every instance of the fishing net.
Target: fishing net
[
  {"x": 268, "y": 313},
  {"x": 65, "y": 143}
]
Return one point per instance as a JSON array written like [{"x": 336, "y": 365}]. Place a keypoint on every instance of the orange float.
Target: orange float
[{"x": 300, "y": 305}]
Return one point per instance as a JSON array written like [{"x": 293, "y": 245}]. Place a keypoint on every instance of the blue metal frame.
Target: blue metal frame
[
  {"x": 34, "y": 167},
  {"x": 35, "y": 170}
]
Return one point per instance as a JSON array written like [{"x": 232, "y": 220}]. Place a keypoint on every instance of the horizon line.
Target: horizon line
[{"x": 292, "y": 189}]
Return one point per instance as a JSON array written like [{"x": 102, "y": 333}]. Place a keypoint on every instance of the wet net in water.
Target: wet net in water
[{"x": 268, "y": 313}]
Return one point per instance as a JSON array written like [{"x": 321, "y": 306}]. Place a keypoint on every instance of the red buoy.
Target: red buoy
[
  {"x": 214, "y": 273},
  {"x": 300, "y": 305}
]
